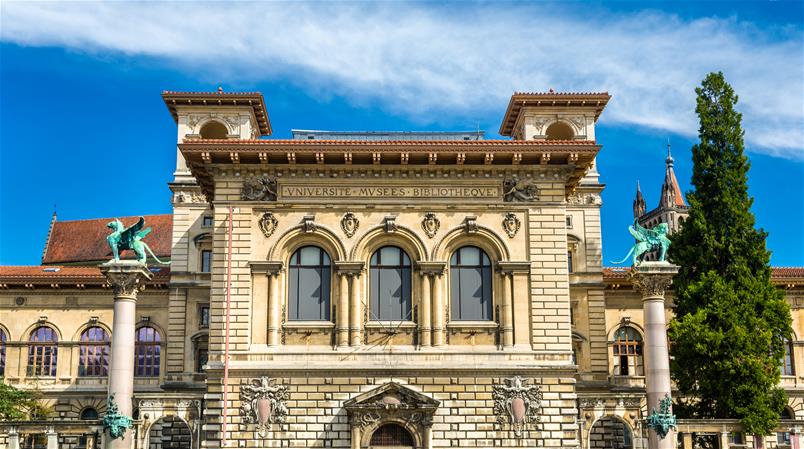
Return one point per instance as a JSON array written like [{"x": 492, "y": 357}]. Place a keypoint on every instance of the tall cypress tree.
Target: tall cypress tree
[{"x": 731, "y": 322}]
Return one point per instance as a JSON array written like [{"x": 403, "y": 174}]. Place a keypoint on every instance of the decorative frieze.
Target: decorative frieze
[
  {"x": 585, "y": 199},
  {"x": 263, "y": 403}
]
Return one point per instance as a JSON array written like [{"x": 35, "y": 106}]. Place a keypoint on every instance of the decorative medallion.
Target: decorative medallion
[
  {"x": 511, "y": 224},
  {"x": 662, "y": 421},
  {"x": 259, "y": 189},
  {"x": 263, "y": 403},
  {"x": 520, "y": 190},
  {"x": 517, "y": 403},
  {"x": 115, "y": 423},
  {"x": 430, "y": 224},
  {"x": 349, "y": 224},
  {"x": 268, "y": 224}
]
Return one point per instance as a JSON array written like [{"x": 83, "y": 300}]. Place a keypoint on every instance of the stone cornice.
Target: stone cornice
[
  {"x": 350, "y": 268},
  {"x": 431, "y": 268},
  {"x": 513, "y": 267},
  {"x": 267, "y": 267}
]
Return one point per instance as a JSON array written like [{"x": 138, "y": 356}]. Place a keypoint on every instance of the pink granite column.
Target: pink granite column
[
  {"x": 127, "y": 278},
  {"x": 651, "y": 279}
]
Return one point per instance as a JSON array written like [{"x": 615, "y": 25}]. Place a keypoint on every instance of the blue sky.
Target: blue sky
[{"x": 81, "y": 116}]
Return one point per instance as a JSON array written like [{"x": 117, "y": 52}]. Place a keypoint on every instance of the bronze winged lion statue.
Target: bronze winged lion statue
[
  {"x": 647, "y": 240},
  {"x": 123, "y": 238}
]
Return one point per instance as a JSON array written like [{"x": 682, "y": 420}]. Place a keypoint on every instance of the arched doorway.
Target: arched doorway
[
  {"x": 610, "y": 432},
  {"x": 169, "y": 432},
  {"x": 391, "y": 436}
]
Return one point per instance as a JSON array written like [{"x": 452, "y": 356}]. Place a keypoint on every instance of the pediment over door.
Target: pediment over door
[{"x": 391, "y": 403}]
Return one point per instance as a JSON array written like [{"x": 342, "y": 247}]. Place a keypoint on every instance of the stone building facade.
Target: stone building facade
[{"x": 357, "y": 290}]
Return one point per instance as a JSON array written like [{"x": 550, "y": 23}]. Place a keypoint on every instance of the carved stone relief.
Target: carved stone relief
[
  {"x": 390, "y": 223},
  {"x": 517, "y": 403},
  {"x": 268, "y": 224},
  {"x": 511, "y": 224},
  {"x": 349, "y": 224},
  {"x": 470, "y": 224},
  {"x": 263, "y": 403},
  {"x": 585, "y": 199},
  {"x": 308, "y": 223},
  {"x": 430, "y": 224},
  {"x": 189, "y": 197},
  {"x": 261, "y": 188},
  {"x": 519, "y": 190}
]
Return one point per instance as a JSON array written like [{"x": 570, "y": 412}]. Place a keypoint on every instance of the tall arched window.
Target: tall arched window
[
  {"x": 94, "y": 353},
  {"x": 309, "y": 290},
  {"x": 43, "y": 351},
  {"x": 2, "y": 352},
  {"x": 628, "y": 352},
  {"x": 390, "y": 284},
  {"x": 788, "y": 368},
  {"x": 470, "y": 284},
  {"x": 147, "y": 352}
]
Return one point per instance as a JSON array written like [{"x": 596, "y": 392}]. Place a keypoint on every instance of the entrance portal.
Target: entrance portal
[{"x": 391, "y": 436}]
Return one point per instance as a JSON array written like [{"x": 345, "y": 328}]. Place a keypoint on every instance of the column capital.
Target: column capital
[
  {"x": 269, "y": 267},
  {"x": 349, "y": 268},
  {"x": 127, "y": 277},
  {"x": 651, "y": 279},
  {"x": 431, "y": 268}
]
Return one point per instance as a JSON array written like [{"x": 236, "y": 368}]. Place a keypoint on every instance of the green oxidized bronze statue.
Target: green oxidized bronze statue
[
  {"x": 123, "y": 238},
  {"x": 115, "y": 423},
  {"x": 663, "y": 420},
  {"x": 647, "y": 240}
]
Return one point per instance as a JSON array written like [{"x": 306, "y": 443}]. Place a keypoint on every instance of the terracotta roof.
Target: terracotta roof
[
  {"x": 85, "y": 240},
  {"x": 253, "y": 99},
  {"x": 64, "y": 276},
  {"x": 596, "y": 100},
  {"x": 777, "y": 273}
]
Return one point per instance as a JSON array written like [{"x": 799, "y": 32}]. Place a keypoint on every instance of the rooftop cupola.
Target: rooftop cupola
[{"x": 553, "y": 115}]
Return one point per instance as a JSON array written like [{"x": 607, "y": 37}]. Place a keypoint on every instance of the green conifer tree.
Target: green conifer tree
[{"x": 731, "y": 322}]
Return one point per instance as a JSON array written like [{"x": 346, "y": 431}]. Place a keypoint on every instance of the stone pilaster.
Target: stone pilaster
[
  {"x": 127, "y": 278},
  {"x": 651, "y": 279},
  {"x": 432, "y": 319}
]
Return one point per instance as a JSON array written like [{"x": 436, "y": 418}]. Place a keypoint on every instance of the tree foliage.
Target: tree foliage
[
  {"x": 731, "y": 322},
  {"x": 16, "y": 404}
]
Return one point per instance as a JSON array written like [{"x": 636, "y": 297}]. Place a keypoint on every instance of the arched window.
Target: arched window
[
  {"x": 147, "y": 352},
  {"x": 43, "y": 351},
  {"x": 390, "y": 284},
  {"x": 309, "y": 277},
  {"x": 788, "y": 368},
  {"x": 559, "y": 131},
  {"x": 94, "y": 353},
  {"x": 391, "y": 435},
  {"x": 214, "y": 130},
  {"x": 470, "y": 284},
  {"x": 2, "y": 352},
  {"x": 628, "y": 352},
  {"x": 89, "y": 413}
]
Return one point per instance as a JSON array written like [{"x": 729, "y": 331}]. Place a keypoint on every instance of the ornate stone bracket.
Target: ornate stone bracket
[
  {"x": 308, "y": 223},
  {"x": 390, "y": 223},
  {"x": 263, "y": 403},
  {"x": 470, "y": 224},
  {"x": 517, "y": 403}
]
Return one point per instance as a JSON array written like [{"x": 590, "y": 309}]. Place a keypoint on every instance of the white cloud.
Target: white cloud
[{"x": 456, "y": 60}]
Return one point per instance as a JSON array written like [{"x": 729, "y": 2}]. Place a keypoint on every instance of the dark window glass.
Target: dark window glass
[
  {"x": 207, "y": 221},
  {"x": 788, "y": 369},
  {"x": 390, "y": 284},
  {"x": 309, "y": 279},
  {"x": 203, "y": 320},
  {"x": 201, "y": 359},
  {"x": 43, "y": 351},
  {"x": 147, "y": 352},
  {"x": 89, "y": 413},
  {"x": 470, "y": 284},
  {"x": 206, "y": 261},
  {"x": 391, "y": 435},
  {"x": 569, "y": 221},
  {"x": 94, "y": 353},
  {"x": 628, "y": 352},
  {"x": 569, "y": 261},
  {"x": 2, "y": 352}
]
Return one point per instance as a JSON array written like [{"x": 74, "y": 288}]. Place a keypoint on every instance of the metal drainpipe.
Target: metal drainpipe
[{"x": 226, "y": 335}]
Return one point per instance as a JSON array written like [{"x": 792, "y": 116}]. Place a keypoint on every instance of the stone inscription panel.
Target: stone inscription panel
[{"x": 409, "y": 190}]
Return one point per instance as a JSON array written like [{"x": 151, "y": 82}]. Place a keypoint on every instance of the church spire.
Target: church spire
[
  {"x": 639, "y": 203},
  {"x": 671, "y": 192}
]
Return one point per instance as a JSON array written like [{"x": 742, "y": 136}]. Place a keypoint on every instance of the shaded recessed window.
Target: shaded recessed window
[
  {"x": 94, "y": 353},
  {"x": 628, "y": 352},
  {"x": 206, "y": 261},
  {"x": 788, "y": 368},
  {"x": 470, "y": 284},
  {"x": 207, "y": 221},
  {"x": 309, "y": 276},
  {"x": 214, "y": 130},
  {"x": 89, "y": 413},
  {"x": 2, "y": 352},
  {"x": 559, "y": 131},
  {"x": 390, "y": 279},
  {"x": 43, "y": 351}
]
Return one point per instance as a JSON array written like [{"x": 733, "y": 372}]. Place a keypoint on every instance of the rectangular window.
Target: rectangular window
[
  {"x": 569, "y": 221},
  {"x": 783, "y": 438},
  {"x": 206, "y": 261},
  {"x": 207, "y": 221},
  {"x": 203, "y": 319},
  {"x": 201, "y": 358},
  {"x": 736, "y": 438},
  {"x": 569, "y": 261}
]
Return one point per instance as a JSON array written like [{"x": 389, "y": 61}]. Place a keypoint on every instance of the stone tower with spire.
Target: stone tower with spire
[{"x": 671, "y": 209}]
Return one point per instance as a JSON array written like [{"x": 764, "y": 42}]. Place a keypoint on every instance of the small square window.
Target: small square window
[
  {"x": 207, "y": 222},
  {"x": 203, "y": 319},
  {"x": 569, "y": 221},
  {"x": 206, "y": 261}
]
